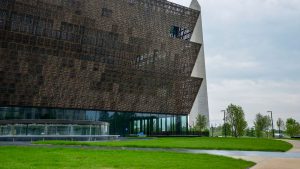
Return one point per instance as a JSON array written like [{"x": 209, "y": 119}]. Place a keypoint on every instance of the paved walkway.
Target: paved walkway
[
  {"x": 296, "y": 145},
  {"x": 267, "y": 162}
]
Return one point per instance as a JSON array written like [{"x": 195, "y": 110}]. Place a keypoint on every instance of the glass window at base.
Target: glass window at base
[{"x": 52, "y": 121}]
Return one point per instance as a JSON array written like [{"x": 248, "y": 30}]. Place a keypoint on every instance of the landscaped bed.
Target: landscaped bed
[
  {"x": 250, "y": 144},
  {"x": 70, "y": 158}
]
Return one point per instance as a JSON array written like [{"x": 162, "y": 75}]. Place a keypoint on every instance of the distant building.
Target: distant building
[{"x": 99, "y": 67}]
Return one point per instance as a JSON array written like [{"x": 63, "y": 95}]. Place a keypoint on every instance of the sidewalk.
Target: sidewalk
[
  {"x": 296, "y": 145},
  {"x": 276, "y": 163}
]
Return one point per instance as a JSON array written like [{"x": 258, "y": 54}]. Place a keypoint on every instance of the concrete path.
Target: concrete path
[
  {"x": 267, "y": 162},
  {"x": 296, "y": 145}
]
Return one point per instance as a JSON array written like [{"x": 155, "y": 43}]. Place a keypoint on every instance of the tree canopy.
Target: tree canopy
[
  {"x": 201, "y": 122},
  {"x": 236, "y": 119},
  {"x": 280, "y": 124},
  {"x": 262, "y": 124},
  {"x": 292, "y": 127}
]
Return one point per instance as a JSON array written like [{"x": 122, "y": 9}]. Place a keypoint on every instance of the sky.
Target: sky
[{"x": 252, "y": 50}]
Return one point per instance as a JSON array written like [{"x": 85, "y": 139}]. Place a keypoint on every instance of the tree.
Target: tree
[
  {"x": 292, "y": 127},
  {"x": 201, "y": 122},
  {"x": 280, "y": 124},
  {"x": 236, "y": 118},
  {"x": 250, "y": 132},
  {"x": 226, "y": 129},
  {"x": 261, "y": 124}
]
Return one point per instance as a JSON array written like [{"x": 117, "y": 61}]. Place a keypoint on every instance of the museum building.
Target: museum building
[{"x": 100, "y": 67}]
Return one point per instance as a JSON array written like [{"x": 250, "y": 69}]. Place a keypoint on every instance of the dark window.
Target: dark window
[
  {"x": 3, "y": 3},
  {"x": 131, "y": 2},
  {"x": 3, "y": 15},
  {"x": 2, "y": 23},
  {"x": 106, "y": 12},
  {"x": 15, "y": 20},
  {"x": 180, "y": 33}
]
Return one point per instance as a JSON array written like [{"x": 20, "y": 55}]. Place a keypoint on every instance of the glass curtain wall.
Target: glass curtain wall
[
  {"x": 52, "y": 129},
  {"x": 38, "y": 122}
]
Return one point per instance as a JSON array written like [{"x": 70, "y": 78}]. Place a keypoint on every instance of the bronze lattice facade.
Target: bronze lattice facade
[{"x": 108, "y": 55}]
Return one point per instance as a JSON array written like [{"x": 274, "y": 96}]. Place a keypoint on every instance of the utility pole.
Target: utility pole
[
  {"x": 224, "y": 122},
  {"x": 272, "y": 123}
]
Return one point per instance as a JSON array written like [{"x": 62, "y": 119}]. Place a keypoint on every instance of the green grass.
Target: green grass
[
  {"x": 72, "y": 158},
  {"x": 250, "y": 144}
]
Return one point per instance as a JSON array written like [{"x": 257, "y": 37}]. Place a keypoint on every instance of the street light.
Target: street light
[
  {"x": 272, "y": 122},
  {"x": 212, "y": 131},
  {"x": 224, "y": 121}
]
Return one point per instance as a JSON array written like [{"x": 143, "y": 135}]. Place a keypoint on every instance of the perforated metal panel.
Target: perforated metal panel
[{"x": 98, "y": 54}]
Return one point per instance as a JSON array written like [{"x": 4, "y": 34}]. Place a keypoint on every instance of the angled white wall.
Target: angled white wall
[{"x": 201, "y": 102}]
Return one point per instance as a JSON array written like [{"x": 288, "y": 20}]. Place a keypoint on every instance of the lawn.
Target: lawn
[
  {"x": 251, "y": 144},
  {"x": 72, "y": 158}
]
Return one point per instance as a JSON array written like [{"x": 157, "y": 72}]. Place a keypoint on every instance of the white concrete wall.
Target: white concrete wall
[{"x": 201, "y": 102}]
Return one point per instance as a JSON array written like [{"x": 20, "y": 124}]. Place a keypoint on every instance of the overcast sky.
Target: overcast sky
[{"x": 252, "y": 52}]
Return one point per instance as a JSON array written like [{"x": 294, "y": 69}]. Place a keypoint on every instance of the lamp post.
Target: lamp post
[
  {"x": 272, "y": 123},
  {"x": 224, "y": 122},
  {"x": 212, "y": 130}
]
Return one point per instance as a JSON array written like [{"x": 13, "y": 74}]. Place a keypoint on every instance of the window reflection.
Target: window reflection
[{"x": 95, "y": 122}]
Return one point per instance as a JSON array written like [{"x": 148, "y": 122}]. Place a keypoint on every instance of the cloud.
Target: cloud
[
  {"x": 235, "y": 63},
  {"x": 252, "y": 55}
]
